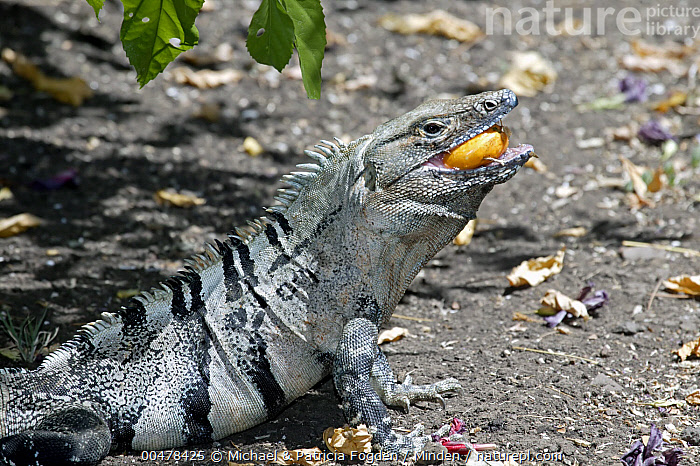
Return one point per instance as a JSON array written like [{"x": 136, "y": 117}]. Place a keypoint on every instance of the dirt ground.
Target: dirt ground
[{"x": 104, "y": 233}]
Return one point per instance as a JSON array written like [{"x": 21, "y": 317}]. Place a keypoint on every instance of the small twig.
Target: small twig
[
  {"x": 653, "y": 293},
  {"x": 562, "y": 393},
  {"x": 547, "y": 335},
  {"x": 663, "y": 247},
  {"x": 553, "y": 353},
  {"x": 540, "y": 417},
  {"x": 489, "y": 278},
  {"x": 674, "y": 296},
  {"x": 417, "y": 319},
  {"x": 661, "y": 403}
]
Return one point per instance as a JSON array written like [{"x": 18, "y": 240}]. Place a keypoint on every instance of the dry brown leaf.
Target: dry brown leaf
[
  {"x": 334, "y": 38},
  {"x": 292, "y": 72},
  {"x": 658, "y": 181},
  {"x": 635, "y": 202},
  {"x": 652, "y": 64},
  {"x": 609, "y": 182},
  {"x": 465, "y": 236},
  {"x": 16, "y": 224},
  {"x": 676, "y": 99},
  {"x": 210, "y": 111},
  {"x": 393, "y": 334},
  {"x": 574, "y": 232},
  {"x": 221, "y": 54},
  {"x": 693, "y": 398},
  {"x": 529, "y": 74},
  {"x": 205, "y": 79},
  {"x": 580, "y": 442},
  {"x": 5, "y": 193},
  {"x": 168, "y": 197},
  {"x": 534, "y": 271},
  {"x": 303, "y": 456},
  {"x": 638, "y": 185},
  {"x": 361, "y": 82},
  {"x": 570, "y": 27},
  {"x": 519, "y": 327},
  {"x": 668, "y": 50},
  {"x": 437, "y": 23},
  {"x": 624, "y": 133},
  {"x": 536, "y": 164},
  {"x": 555, "y": 301},
  {"x": 691, "y": 348},
  {"x": 688, "y": 284},
  {"x": 348, "y": 439},
  {"x": 519, "y": 316},
  {"x": 72, "y": 91}
]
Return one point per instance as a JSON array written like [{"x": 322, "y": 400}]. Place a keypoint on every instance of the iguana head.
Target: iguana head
[{"x": 405, "y": 158}]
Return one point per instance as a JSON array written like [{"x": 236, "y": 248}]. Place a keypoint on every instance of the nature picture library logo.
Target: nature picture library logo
[{"x": 677, "y": 21}]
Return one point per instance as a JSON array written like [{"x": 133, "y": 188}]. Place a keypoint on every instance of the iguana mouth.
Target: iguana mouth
[{"x": 486, "y": 151}]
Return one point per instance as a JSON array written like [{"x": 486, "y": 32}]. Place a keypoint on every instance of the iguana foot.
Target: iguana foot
[
  {"x": 366, "y": 384},
  {"x": 406, "y": 393},
  {"x": 72, "y": 436},
  {"x": 405, "y": 444}
]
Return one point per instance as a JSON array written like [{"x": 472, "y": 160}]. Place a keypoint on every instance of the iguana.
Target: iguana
[{"x": 256, "y": 321}]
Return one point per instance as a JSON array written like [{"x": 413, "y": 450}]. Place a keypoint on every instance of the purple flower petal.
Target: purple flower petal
[
  {"x": 634, "y": 456},
  {"x": 553, "y": 321},
  {"x": 654, "y": 443},
  {"x": 640, "y": 455},
  {"x": 65, "y": 178},
  {"x": 585, "y": 290},
  {"x": 673, "y": 457},
  {"x": 599, "y": 299},
  {"x": 634, "y": 88},
  {"x": 653, "y": 133}
]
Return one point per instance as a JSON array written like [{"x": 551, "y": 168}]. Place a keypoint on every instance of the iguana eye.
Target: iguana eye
[
  {"x": 490, "y": 105},
  {"x": 433, "y": 128}
]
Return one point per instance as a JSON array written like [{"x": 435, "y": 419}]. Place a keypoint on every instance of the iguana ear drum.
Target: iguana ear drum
[{"x": 479, "y": 150}]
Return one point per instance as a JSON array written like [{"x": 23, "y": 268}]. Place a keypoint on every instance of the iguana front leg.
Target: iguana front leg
[{"x": 366, "y": 384}]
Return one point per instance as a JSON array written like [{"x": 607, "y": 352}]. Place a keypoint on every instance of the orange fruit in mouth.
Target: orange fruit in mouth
[{"x": 492, "y": 143}]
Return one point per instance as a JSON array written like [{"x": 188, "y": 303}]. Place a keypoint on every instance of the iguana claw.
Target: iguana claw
[{"x": 405, "y": 393}]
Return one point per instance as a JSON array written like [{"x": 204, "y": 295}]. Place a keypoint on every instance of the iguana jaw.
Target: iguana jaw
[
  {"x": 508, "y": 162},
  {"x": 458, "y": 192},
  {"x": 512, "y": 155}
]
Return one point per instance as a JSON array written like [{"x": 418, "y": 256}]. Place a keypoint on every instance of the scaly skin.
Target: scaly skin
[{"x": 256, "y": 321}]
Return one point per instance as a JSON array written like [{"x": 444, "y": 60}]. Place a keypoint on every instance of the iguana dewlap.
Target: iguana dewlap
[{"x": 257, "y": 320}]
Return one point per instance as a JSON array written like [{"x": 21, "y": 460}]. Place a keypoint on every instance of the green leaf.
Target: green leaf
[
  {"x": 154, "y": 32},
  {"x": 310, "y": 41},
  {"x": 97, "y": 6},
  {"x": 273, "y": 46}
]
